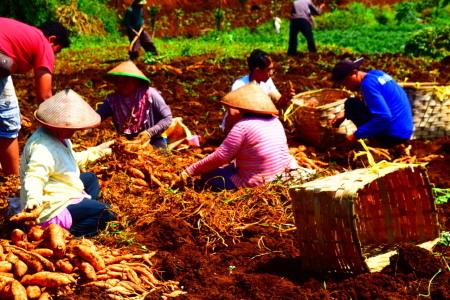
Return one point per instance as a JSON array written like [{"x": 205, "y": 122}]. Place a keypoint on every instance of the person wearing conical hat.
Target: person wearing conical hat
[
  {"x": 257, "y": 143},
  {"x": 260, "y": 65},
  {"x": 50, "y": 169},
  {"x": 138, "y": 110}
]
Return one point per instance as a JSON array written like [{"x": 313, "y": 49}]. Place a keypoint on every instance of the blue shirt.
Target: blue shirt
[{"x": 389, "y": 104}]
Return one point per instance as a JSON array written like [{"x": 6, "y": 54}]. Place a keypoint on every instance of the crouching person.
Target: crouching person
[
  {"x": 257, "y": 143},
  {"x": 50, "y": 169}
]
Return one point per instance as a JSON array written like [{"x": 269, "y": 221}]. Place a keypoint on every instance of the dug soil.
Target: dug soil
[{"x": 242, "y": 244}]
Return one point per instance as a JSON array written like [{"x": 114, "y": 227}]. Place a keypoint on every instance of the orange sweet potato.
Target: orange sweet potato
[
  {"x": 45, "y": 296},
  {"x": 20, "y": 268},
  {"x": 90, "y": 256},
  {"x": 18, "y": 235},
  {"x": 64, "y": 266},
  {"x": 31, "y": 261},
  {"x": 56, "y": 236},
  {"x": 35, "y": 233},
  {"x": 15, "y": 290},
  {"x": 89, "y": 271},
  {"x": 48, "y": 279},
  {"x": 33, "y": 291},
  {"x": 5, "y": 266},
  {"x": 43, "y": 252},
  {"x": 29, "y": 215}
]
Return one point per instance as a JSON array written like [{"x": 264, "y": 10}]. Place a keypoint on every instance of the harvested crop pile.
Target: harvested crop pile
[{"x": 50, "y": 262}]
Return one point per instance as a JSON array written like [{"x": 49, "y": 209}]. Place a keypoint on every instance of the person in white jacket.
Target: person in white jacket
[{"x": 50, "y": 170}]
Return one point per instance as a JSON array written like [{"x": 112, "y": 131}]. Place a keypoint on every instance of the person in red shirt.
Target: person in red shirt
[{"x": 24, "y": 48}]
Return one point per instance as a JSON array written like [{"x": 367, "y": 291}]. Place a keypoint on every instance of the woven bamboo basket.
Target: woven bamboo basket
[
  {"x": 430, "y": 105},
  {"x": 354, "y": 221},
  {"x": 312, "y": 113}
]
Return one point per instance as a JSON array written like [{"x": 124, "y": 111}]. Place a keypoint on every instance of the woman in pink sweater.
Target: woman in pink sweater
[{"x": 257, "y": 143}]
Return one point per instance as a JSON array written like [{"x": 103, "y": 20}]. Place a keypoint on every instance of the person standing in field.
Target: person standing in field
[
  {"x": 383, "y": 115},
  {"x": 302, "y": 21},
  {"x": 260, "y": 65},
  {"x": 134, "y": 22},
  {"x": 22, "y": 48}
]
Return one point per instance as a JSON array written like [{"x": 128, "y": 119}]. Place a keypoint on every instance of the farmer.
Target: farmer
[
  {"x": 257, "y": 142},
  {"x": 22, "y": 48},
  {"x": 138, "y": 110},
  {"x": 50, "y": 169},
  {"x": 383, "y": 115},
  {"x": 134, "y": 22},
  {"x": 302, "y": 20},
  {"x": 261, "y": 70}
]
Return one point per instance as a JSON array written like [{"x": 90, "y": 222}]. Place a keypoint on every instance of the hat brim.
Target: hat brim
[
  {"x": 95, "y": 123},
  {"x": 266, "y": 112},
  {"x": 111, "y": 79}
]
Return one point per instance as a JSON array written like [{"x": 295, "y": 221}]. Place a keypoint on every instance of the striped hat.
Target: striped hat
[
  {"x": 67, "y": 110},
  {"x": 252, "y": 98}
]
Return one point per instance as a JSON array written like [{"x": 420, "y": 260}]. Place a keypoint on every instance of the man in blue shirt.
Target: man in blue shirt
[
  {"x": 134, "y": 21},
  {"x": 383, "y": 115}
]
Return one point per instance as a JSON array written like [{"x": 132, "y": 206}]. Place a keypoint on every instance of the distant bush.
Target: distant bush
[
  {"x": 432, "y": 41},
  {"x": 405, "y": 12},
  {"x": 31, "y": 12},
  {"x": 101, "y": 11},
  {"x": 354, "y": 15}
]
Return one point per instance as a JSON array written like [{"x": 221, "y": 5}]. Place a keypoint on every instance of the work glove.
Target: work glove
[
  {"x": 182, "y": 180},
  {"x": 106, "y": 147},
  {"x": 144, "y": 136},
  {"x": 31, "y": 205}
]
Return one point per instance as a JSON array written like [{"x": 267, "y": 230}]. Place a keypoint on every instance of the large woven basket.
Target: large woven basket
[
  {"x": 430, "y": 105},
  {"x": 312, "y": 113},
  {"x": 352, "y": 222}
]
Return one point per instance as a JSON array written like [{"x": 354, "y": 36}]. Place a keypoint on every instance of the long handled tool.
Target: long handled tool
[{"x": 135, "y": 39}]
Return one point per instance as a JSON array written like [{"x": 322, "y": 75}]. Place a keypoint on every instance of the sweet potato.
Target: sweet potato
[
  {"x": 5, "y": 266},
  {"x": 90, "y": 256},
  {"x": 48, "y": 265},
  {"x": 89, "y": 271},
  {"x": 29, "y": 215},
  {"x": 64, "y": 266},
  {"x": 31, "y": 261},
  {"x": 48, "y": 279},
  {"x": 4, "y": 281},
  {"x": 35, "y": 233},
  {"x": 43, "y": 252},
  {"x": 33, "y": 291},
  {"x": 56, "y": 236},
  {"x": 22, "y": 244},
  {"x": 20, "y": 268},
  {"x": 15, "y": 290},
  {"x": 133, "y": 172},
  {"x": 45, "y": 296},
  {"x": 4, "y": 274},
  {"x": 18, "y": 235},
  {"x": 11, "y": 257}
]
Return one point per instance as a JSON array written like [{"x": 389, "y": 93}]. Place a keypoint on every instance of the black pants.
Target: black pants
[
  {"x": 145, "y": 41},
  {"x": 304, "y": 27},
  {"x": 359, "y": 114}
]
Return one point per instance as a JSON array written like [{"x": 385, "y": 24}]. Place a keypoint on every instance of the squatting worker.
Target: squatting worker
[
  {"x": 50, "y": 169},
  {"x": 22, "y": 48},
  {"x": 257, "y": 143},
  {"x": 137, "y": 109},
  {"x": 260, "y": 65},
  {"x": 383, "y": 115},
  {"x": 302, "y": 21}
]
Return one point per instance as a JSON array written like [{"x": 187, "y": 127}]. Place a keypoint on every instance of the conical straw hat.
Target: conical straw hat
[
  {"x": 68, "y": 110},
  {"x": 252, "y": 98},
  {"x": 127, "y": 68}
]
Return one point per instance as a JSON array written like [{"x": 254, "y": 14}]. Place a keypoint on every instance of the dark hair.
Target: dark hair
[
  {"x": 58, "y": 30},
  {"x": 248, "y": 114},
  {"x": 258, "y": 59}
]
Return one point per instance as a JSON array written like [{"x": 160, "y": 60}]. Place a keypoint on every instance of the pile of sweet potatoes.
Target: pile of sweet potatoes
[{"x": 47, "y": 262}]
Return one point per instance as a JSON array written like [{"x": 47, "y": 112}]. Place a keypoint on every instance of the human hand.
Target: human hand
[
  {"x": 144, "y": 136},
  {"x": 338, "y": 119},
  {"x": 31, "y": 205},
  {"x": 106, "y": 147},
  {"x": 350, "y": 141},
  {"x": 182, "y": 180}
]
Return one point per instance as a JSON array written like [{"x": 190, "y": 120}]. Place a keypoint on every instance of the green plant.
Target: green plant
[
  {"x": 441, "y": 195},
  {"x": 431, "y": 41},
  {"x": 405, "y": 12},
  {"x": 179, "y": 14},
  {"x": 218, "y": 16},
  {"x": 430, "y": 8},
  {"x": 153, "y": 12}
]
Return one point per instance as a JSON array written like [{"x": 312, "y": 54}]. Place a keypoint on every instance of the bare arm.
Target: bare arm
[{"x": 43, "y": 84}]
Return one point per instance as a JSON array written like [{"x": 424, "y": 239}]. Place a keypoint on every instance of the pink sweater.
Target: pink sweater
[{"x": 261, "y": 152}]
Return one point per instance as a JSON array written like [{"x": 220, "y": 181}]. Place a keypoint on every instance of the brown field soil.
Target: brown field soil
[{"x": 241, "y": 244}]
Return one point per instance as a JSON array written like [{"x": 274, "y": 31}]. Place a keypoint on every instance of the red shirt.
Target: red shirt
[{"x": 26, "y": 45}]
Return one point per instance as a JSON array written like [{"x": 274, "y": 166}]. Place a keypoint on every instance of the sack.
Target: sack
[{"x": 6, "y": 64}]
